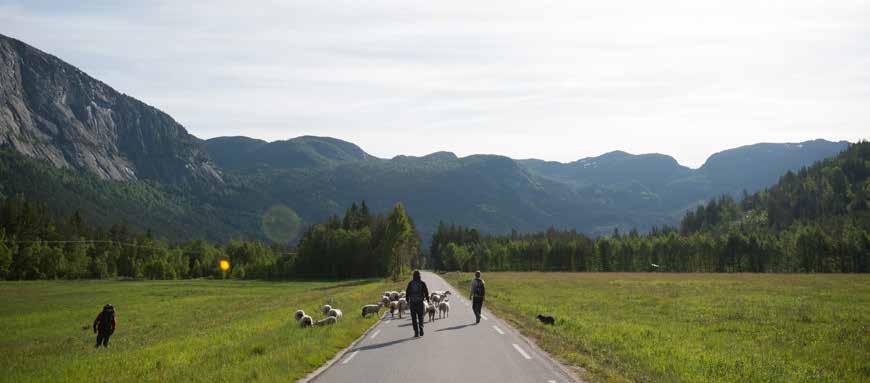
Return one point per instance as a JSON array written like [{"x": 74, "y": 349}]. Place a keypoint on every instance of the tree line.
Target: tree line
[
  {"x": 35, "y": 244},
  {"x": 814, "y": 220}
]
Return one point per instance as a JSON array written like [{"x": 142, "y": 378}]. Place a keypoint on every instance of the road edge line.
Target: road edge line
[
  {"x": 548, "y": 358},
  {"x": 339, "y": 355}
]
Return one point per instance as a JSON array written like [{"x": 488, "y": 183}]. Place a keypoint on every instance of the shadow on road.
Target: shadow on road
[
  {"x": 382, "y": 345},
  {"x": 455, "y": 327}
]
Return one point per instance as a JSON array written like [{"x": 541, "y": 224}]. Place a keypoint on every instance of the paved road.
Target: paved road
[{"x": 454, "y": 349}]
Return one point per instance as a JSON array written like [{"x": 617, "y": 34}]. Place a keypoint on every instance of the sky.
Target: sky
[{"x": 555, "y": 80}]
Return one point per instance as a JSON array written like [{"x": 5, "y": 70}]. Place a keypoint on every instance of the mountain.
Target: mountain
[
  {"x": 74, "y": 143},
  {"x": 50, "y": 110},
  {"x": 237, "y": 153},
  {"x": 734, "y": 170}
]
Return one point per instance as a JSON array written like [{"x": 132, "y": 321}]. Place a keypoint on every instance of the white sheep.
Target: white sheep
[
  {"x": 325, "y": 309},
  {"x": 394, "y": 306},
  {"x": 431, "y": 311},
  {"x": 305, "y": 321},
  {"x": 443, "y": 309},
  {"x": 385, "y": 300},
  {"x": 371, "y": 309},
  {"x": 325, "y": 321},
  {"x": 394, "y": 295},
  {"x": 299, "y": 314},
  {"x": 403, "y": 305},
  {"x": 335, "y": 313}
]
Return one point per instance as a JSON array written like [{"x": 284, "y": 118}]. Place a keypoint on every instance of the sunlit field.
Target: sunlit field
[
  {"x": 650, "y": 327},
  {"x": 201, "y": 330}
]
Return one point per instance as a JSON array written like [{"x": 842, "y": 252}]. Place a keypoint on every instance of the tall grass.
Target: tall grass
[
  {"x": 650, "y": 327},
  {"x": 202, "y": 330}
]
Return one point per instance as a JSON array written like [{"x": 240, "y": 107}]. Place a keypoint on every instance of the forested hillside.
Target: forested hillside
[{"x": 814, "y": 220}]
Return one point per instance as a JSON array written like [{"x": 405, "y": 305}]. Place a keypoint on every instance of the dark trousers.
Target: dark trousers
[
  {"x": 103, "y": 338},
  {"x": 417, "y": 317},
  {"x": 476, "y": 305}
]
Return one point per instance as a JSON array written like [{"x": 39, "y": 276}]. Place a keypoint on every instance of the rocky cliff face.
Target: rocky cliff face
[{"x": 52, "y": 111}]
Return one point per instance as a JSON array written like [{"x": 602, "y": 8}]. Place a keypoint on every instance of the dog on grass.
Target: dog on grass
[{"x": 546, "y": 319}]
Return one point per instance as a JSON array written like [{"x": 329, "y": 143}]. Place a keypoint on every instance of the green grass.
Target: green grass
[
  {"x": 201, "y": 330},
  {"x": 693, "y": 327}
]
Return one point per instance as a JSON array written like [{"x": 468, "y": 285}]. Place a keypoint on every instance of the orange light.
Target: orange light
[{"x": 225, "y": 264}]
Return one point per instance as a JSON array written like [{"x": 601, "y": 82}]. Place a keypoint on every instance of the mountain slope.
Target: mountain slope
[
  {"x": 755, "y": 167},
  {"x": 50, "y": 110},
  {"x": 236, "y": 153}
]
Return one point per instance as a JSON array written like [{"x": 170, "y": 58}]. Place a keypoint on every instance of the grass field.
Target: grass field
[
  {"x": 693, "y": 327},
  {"x": 201, "y": 330}
]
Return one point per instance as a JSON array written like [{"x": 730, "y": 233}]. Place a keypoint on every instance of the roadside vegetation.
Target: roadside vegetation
[
  {"x": 651, "y": 327},
  {"x": 196, "y": 330}
]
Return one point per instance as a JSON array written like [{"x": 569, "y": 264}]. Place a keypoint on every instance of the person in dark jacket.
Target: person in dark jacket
[
  {"x": 104, "y": 325},
  {"x": 416, "y": 293},
  {"x": 478, "y": 291}
]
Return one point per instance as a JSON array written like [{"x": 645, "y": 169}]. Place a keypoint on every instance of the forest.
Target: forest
[
  {"x": 35, "y": 244},
  {"x": 814, "y": 220}
]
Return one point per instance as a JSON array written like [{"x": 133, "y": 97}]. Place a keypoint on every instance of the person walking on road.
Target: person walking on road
[
  {"x": 416, "y": 292},
  {"x": 478, "y": 291},
  {"x": 104, "y": 325}
]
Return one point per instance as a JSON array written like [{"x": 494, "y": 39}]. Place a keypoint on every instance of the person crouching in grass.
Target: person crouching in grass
[{"x": 104, "y": 325}]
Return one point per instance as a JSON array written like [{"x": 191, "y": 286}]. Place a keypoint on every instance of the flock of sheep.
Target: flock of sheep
[
  {"x": 332, "y": 316},
  {"x": 395, "y": 301}
]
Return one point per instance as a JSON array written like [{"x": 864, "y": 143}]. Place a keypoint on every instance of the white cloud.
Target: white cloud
[{"x": 552, "y": 80}]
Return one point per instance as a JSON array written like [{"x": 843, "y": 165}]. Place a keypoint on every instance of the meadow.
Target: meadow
[
  {"x": 194, "y": 330},
  {"x": 652, "y": 327}
]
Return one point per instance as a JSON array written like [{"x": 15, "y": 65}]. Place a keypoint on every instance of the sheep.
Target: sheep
[
  {"x": 305, "y": 321},
  {"x": 335, "y": 313},
  {"x": 371, "y": 309},
  {"x": 443, "y": 309},
  {"x": 401, "y": 294},
  {"x": 299, "y": 314},
  {"x": 325, "y": 309},
  {"x": 403, "y": 305},
  {"x": 431, "y": 311},
  {"x": 435, "y": 298},
  {"x": 325, "y": 321},
  {"x": 394, "y": 305},
  {"x": 394, "y": 296},
  {"x": 385, "y": 300}
]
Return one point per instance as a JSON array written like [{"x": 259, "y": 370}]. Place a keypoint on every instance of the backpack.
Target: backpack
[
  {"x": 479, "y": 288},
  {"x": 415, "y": 291},
  {"x": 106, "y": 319}
]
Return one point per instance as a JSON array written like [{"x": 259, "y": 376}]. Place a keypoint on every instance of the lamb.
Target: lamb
[
  {"x": 443, "y": 309},
  {"x": 371, "y": 309},
  {"x": 385, "y": 300},
  {"x": 403, "y": 305},
  {"x": 546, "y": 319},
  {"x": 305, "y": 321},
  {"x": 430, "y": 309},
  {"x": 435, "y": 298},
  {"x": 325, "y": 309},
  {"x": 299, "y": 314},
  {"x": 325, "y": 321},
  {"x": 394, "y": 305},
  {"x": 336, "y": 313},
  {"x": 394, "y": 296}
]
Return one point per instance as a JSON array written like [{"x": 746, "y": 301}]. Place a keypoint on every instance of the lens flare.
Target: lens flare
[{"x": 225, "y": 264}]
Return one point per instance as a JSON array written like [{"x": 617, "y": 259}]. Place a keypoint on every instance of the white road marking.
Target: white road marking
[
  {"x": 498, "y": 330},
  {"x": 484, "y": 317},
  {"x": 354, "y": 354},
  {"x": 519, "y": 350},
  {"x": 375, "y": 334},
  {"x": 551, "y": 381}
]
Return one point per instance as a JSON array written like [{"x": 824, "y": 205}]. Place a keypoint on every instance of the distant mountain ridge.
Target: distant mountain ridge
[{"x": 50, "y": 111}]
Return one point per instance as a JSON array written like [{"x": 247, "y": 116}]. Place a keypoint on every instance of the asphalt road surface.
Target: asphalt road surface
[{"x": 453, "y": 349}]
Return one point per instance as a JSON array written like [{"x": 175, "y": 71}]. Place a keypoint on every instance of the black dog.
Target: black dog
[{"x": 546, "y": 319}]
